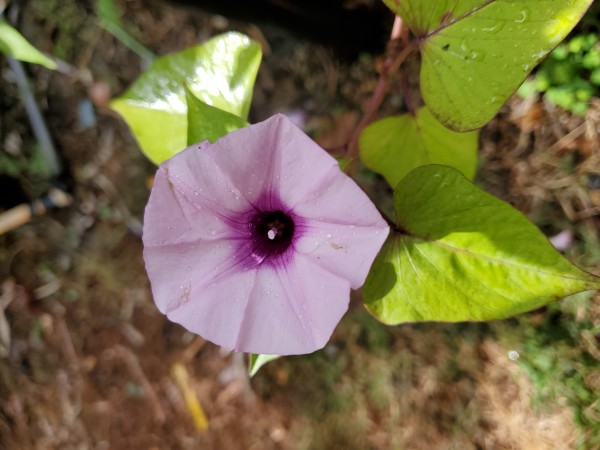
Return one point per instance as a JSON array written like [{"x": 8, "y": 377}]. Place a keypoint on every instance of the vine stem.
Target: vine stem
[{"x": 392, "y": 62}]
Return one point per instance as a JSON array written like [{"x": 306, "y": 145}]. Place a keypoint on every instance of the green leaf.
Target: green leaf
[
  {"x": 592, "y": 59},
  {"x": 476, "y": 53},
  {"x": 461, "y": 254},
  {"x": 12, "y": 43},
  {"x": 220, "y": 73},
  {"x": 257, "y": 361},
  {"x": 396, "y": 145},
  {"x": 207, "y": 123}
]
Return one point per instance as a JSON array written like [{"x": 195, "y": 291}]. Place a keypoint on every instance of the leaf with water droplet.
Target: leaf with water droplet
[
  {"x": 220, "y": 73},
  {"x": 495, "y": 42},
  {"x": 396, "y": 145}
]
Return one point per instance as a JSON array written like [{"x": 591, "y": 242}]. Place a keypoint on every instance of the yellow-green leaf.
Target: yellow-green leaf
[
  {"x": 220, "y": 73},
  {"x": 476, "y": 53},
  {"x": 460, "y": 254},
  {"x": 207, "y": 123},
  {"x": 12, "y": 43},
  {"x": 396, "y": 145}
]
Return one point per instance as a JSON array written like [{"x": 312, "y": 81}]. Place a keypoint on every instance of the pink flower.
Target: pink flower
[{"x": 254, "y": 242}]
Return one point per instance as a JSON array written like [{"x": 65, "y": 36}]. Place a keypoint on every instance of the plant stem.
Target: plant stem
[
  {"x": 38, "y": 125},
  {"x": 393, "y": 61},
  {"x": 406, "y": 94},
  {"x": 126, "y": 39}
]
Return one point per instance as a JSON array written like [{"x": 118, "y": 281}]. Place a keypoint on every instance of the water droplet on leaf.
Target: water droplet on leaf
[{"x": 524, "y": 15}]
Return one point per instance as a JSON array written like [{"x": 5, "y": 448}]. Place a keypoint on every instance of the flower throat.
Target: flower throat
[{"x": 273, "y": 232}]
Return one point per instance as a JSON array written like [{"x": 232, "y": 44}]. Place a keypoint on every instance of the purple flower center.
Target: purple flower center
[{"x": 272, "y": 233}]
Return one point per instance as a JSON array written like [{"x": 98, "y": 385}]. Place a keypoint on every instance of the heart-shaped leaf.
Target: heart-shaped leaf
[
  {"x": 396, "y": 145},
  {"x": 207, "y": 123},
  {"x": 12, "y": 43},
  {"x": 220, "y": 73},
  {"x": 476, "y": 53},
  {"x": 461, "y": 254}
]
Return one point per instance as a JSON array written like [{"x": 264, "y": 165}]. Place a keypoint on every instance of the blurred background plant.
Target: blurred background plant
[{"x": 570, "y": 76}]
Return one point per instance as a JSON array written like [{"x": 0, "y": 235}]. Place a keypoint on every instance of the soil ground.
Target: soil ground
[{"x": 89, "y": 363}]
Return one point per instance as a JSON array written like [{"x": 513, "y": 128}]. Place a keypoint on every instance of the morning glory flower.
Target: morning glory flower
[{"x": 253, "y": 242}]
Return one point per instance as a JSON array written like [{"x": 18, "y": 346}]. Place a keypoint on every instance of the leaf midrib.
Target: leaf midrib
[
  {"x": 458, "y": 19},
  {"x": 503, "y": 262}
]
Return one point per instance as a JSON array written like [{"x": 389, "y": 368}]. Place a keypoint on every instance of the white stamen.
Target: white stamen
[{"x": 271, "y": 233}]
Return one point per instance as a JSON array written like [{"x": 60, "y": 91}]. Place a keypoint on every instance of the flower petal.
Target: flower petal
[
  {"x": 194, "y": 175},
  {"x": 343, "y": 229},
  {"x": 273, "y": 157},
  {"x": 219, "y": 314},
  {"x": 340, "y": 201},
  {"x": 344, "y": 250},
  {"x": 248, "y": 158},
  {"x": 265, "y": 310},
  {"x": 302, "y": 165},
  {"x": 293, "y": 309},
  {"x": 176, "y": 271},
  {"x": 170, "y": 218}
]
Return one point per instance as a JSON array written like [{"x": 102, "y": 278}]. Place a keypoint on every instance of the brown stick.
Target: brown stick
[
  {"x": 140, "y": 377},
  {"x": 14, "y": 218},
  {"x": 21, "y": 214}
]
